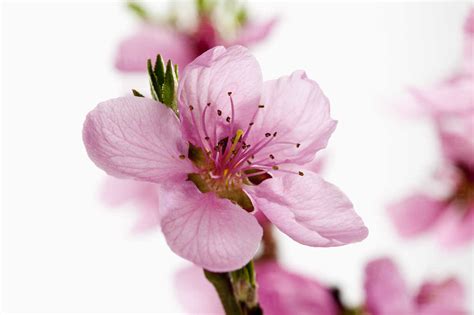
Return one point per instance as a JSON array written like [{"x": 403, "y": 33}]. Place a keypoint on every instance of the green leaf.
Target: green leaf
[
  {"x": 138, "y": 9},
  {"x": 136, "y": 93}
]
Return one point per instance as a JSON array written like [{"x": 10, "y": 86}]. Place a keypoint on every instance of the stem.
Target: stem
[
  {"x": 223, "y": 285},
  {"x": 237, "y": 290}
]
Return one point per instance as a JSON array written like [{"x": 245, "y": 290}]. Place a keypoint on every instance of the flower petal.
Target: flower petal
[
  {"x": 134, "y": 51},
  {"x": 415, "y": 214},
  {"x": 195, "y": 293},
  {"x": 298, "y": 111},
  {"x": 211, "y": 232},
  {"x": 385, "y": 289},
  {"x": 208, "y": 79},
  {"x": 308, "y": 209},
  {"x": 144, "y": 196},
  {"x": 456, "y": 226},
  {"x": 136, "y": 138},
  {"x": 443, "y": 298},
  {"x": 284, "y": 292},
  {"x": 253, "y": 32}
]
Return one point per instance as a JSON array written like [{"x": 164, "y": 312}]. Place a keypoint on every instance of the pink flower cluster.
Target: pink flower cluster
[
  {"x": 450, "y": 105},
  {"x": 282, "y": 292},
  {"x": 183, "y": 46}
]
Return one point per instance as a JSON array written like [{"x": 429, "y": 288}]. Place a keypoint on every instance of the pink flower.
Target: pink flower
[
  {"x": 387, "y": 293},
  {"x": 451, "y": 106},
  {"x": 182, "y": 46},
  {"x": 280, "y": 292},
  {"x": 238, "y": 146}
]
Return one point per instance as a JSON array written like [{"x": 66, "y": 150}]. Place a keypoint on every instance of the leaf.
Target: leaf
[{"x": 138, "y": 9}]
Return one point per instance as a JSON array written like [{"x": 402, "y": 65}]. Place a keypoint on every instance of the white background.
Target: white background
[{"x": 63, "y": 251}]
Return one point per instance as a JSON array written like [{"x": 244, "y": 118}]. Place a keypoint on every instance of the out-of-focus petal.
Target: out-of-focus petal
[
  {"x": 134, "y": 51},
  {"x": 282, "y": 292},
  {"x": 253, "y": 32},
  {"x": 309, "y": 210},
  {"x": 444, "y": 298},
  {"x": 385, "y": 289},
  {"x": 143, "y": 195},
  {"x": 136, "y": 138},
  {"x": 456, "y": 227},
  {"x": 415, "y": 214},
  {"x": 195, "y": 293},
  {"x": 211, "y": 232}
]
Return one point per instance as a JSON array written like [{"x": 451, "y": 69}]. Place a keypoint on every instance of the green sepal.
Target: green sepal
[
  {"x": 136, "y": 93},
  {"x": 154, "y": 86},
  {"x": 237, "y": 196},
  {"x": 199, "y": 182},
  {"x": 159, "y": 69},
  {"x": 170, "y": 87}
]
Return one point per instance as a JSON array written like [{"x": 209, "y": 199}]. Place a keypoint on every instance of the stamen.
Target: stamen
[
  {"x": 182, "y": 156},
  {"x": 219, "y": 112},
  {"x": 261, "y": 106},
  {"x": 300, "y": 173},
  {"x": 191, "y": 108},
  {"x": 268, "y": 134},
  {"x": 298, "y": 145},
  {"x": 275, "y": 168},
  {"x": 272, "y": 156}
]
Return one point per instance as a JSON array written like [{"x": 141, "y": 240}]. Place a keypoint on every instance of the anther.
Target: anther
[
  {"x": 248, "y": 162},
  {"x": 272, "y": 156},
  {"x": 251, "y": 123},
  {"x": 261, "y": 106},
  {"x": 208, "y": 104},
  {"x": 268, "y": 134},
  {"x": 219, "y": 112},
  {"x": 229, "y": 93},
  {"x": 182, "y": 156},
  {"x": 300, "y": 173},
  {"x": 227, "y": 119},
  {"x": 275, "y": 134},
  {"x": 191, "y": 107},
  {"x": 207, "y": 138},
  {"x": 298, "y": 145},
  {"x": 275, "y": 168}
]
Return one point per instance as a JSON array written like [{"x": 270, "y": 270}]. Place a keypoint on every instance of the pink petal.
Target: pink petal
[
  {"x": 195, "y": 293},
  {"x": 134, "y": 51},
  {"x": 136, "y": 138},
  {"x": 415, "y": 214},
  {"x": 208, "y": 79},
  {"x": 385, "y": 289},
  {"x": 456, "y": 133},
  {"x": 455, "y": 95},
  {"x": 456, "y": 226},
  {"x": 310, "y": 210},
  {"x": 211, "y": 232},
  {"x": 254, "y": 32},
  {"x": 292, "y": 294},
  {"x": 144, "y": 196},
  {"x": 444, "y": 298},
  {"x": 295, "y": 108},
  {"x": 286, "y": 293}
]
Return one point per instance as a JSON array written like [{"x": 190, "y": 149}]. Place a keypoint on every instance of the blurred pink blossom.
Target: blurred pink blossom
[
  {"x": 450, "y": 105},
  {"x": 280, "y": 292},
  {"x": 142, "y": 195},
  {"x": 387, "y": 293},
  {"x": 240, "y": 129},
  {"x": 182, "y": 46}
]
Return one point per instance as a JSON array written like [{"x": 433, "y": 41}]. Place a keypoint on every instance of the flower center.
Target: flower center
[{"x": 226, "y": 161}]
